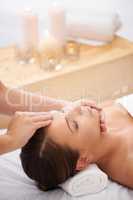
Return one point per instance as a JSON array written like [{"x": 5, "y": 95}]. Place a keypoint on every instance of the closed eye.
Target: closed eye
[
  {"x": 75, "y": 123},
  {"x": 68, "y": 124}
]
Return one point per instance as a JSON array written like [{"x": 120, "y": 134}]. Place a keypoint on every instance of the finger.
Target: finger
[
  {"x": 88, "y": 103},
  {"x": 42, "y": 124},
  {"x": 33, "y": 113},
  {"x": 96, "y": 108},
  {"x": 91, "y": 104},
  {"x": 93, "y": 107},
  {"x": 42, "y": 118}
]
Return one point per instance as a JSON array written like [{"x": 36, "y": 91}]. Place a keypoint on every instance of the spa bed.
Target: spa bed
[{"x": 15, "y": 185}]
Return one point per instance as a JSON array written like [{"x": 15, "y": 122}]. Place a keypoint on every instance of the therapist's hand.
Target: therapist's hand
[
  {"x": 92, "y": 104},
  {"x": 24, "y": 124},
  {"x": 82, "y": 102},
  {"x": 89, "y": 103}
]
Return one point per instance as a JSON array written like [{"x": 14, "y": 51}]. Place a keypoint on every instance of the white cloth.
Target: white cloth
[
  {"x": 89, "y": 181},
  {"x": 127, "y": 102},
  {"x": 15, "y": 185},
  {"x": 99, "y": 26}
]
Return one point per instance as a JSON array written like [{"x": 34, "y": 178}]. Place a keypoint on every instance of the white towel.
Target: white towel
[
  {"x": 99, "y": 26},
  {"x": 127, "y": 102},
  {"x": 89, "y": 181}
]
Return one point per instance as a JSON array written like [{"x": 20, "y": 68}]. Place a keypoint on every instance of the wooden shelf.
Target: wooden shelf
[{"x": 100, "y": 70}]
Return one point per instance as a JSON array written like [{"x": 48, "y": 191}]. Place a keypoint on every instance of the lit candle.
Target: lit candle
[
  {"x": 51, "y": 52},
  {"x": 72, "y": 50},
  {"x": 29, "y": 37}
]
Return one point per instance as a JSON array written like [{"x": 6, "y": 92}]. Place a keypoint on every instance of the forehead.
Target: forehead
[{"x": 58, "y": 130}]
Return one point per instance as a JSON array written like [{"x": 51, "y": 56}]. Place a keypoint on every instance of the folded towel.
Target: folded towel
[
  {"x": 89, "y": 181},
  {"x": 99, "y": 26}
]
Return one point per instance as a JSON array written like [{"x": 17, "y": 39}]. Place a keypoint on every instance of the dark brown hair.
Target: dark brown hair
[{"x": 46, "y": 162}]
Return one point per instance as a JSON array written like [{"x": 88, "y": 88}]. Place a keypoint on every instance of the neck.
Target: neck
[{"x": 105, "y": 147}]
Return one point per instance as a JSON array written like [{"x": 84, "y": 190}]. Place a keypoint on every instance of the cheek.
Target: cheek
[
  {"x": 93, "y": 126},
  {"x": 89, "y": 127}
]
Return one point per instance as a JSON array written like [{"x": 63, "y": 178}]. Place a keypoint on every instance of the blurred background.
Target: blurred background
[{"x": 10, "y": 10}]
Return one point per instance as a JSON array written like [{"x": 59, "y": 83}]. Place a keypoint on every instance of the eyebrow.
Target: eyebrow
[{"x": 68, "y": 124}]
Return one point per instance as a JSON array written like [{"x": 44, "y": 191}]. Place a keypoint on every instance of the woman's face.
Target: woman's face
[{"x": 76, "y": 128}]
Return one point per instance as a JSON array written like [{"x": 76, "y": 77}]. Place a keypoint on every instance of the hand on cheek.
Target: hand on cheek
[
  {"x": 82, "y": 102},
  {"x": 103, "y": 127},
  {"x": 88, "y": 103}
]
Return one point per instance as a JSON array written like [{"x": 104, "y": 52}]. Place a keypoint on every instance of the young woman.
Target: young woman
[{"x": 74, "y": 140}]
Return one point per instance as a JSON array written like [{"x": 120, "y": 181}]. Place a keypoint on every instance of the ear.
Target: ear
[{"x": 82, "y": 163}]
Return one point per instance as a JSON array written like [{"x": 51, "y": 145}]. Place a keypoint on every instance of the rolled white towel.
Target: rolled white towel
[
  {"x": 89, "y": 181},
  {"x": 99, "y": 26}
]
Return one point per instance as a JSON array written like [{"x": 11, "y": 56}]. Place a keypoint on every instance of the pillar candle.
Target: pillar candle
[
  {"x": 30, "y": 29},
  {"x": 57, "y": 22}
]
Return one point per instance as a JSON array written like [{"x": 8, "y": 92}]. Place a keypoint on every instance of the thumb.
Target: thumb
[{"x": 42, "y": 124}]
